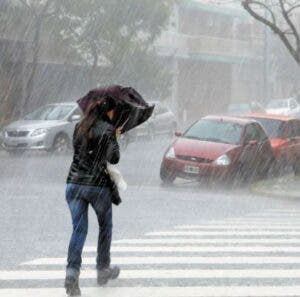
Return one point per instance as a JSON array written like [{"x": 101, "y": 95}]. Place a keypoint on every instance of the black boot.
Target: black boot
[
  {"x": 106, "y": 274},
  {"x": 72, "y": 286}
]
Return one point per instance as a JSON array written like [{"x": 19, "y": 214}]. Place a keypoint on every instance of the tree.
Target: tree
[
  {"x": 280, "y": 16},
  {"x": 40, "y": 13},
  {"x": 119, "y": 35}
]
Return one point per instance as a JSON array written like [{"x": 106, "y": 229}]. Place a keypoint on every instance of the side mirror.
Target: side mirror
[
  {"x": 75, "y": 118},
  {"x": 178, "y": 134}
]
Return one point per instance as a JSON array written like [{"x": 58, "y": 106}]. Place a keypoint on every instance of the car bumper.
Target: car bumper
[
  {"x": 196, "y": 171},
  {"x": 26, "y": 143}
]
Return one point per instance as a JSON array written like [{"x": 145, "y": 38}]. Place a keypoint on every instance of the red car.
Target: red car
[
  {"x": 284, "y": 134},
  {"x": 218, "y": 147}
]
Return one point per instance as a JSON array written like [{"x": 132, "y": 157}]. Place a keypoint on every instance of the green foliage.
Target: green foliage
[
  {"x": 119, "y": 35},
  {"x": 114, "y": 38}
]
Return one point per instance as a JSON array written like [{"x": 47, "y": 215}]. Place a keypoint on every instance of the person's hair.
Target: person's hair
[{"x": 95, "y": 111}]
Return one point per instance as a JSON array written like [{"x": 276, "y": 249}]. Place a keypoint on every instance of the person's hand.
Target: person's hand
[{"x": 118, "y": 132}]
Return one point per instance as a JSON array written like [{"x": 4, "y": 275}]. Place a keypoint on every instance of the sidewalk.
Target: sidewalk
[{"x": 287, "y": 186}]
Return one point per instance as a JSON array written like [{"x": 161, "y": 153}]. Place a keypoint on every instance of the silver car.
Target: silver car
[
  {"x": 48, "y": 128},
  {"x": 163, "y": 121}
]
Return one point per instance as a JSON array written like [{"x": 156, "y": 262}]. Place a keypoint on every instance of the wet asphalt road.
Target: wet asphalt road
[{"x": 35, "y": 220}]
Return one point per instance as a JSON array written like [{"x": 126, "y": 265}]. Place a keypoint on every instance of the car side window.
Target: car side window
[
  {"x": 77, "y": 111},
  {"x": 297, "y": 129},
  {"x": 261, "y": 135},
  {"x": 251, "y": 133},
  {"x": 294, "y": 129},
  {"x": 293, "y": 104},
  {"x": 160, "y": 110}
]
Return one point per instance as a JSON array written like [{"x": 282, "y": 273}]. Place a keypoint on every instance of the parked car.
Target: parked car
[
  {"x": 239, "y": 108},
  {"x": 218, "y": 147},
  {"x": 163, "y": 121},
  {"x": 48, "y": 128},
  {"x": 284, "y": 134},
  {"x": 288, "y": 107}
]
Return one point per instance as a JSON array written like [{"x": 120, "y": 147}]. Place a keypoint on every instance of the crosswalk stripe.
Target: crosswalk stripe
[
  {"x": 207, "y": 249},
  {"x": 238, "y": 227},
  {"x": 224, "y": 232},
  {"x": 174, "y": 260},
  {"x": 261, "y": 219},
  {"x": 203, "y": 291},
  {"x": 264, "y": 223},
  {"x": 157, "y": 274},
  {"x": 282, "y": 210},
  {"x": 201, "y": 241},
  {"x": 273, "y": 214}
]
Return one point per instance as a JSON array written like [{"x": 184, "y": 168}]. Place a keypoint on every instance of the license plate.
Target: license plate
[{"x": 191, "y": 169}]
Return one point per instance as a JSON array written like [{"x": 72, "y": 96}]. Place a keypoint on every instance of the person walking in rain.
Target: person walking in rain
[{"x": 88, "y": 183}]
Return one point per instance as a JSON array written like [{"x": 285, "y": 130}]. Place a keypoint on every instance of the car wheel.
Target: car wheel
[
  {"x": 16, "y": 152},
  {"x": 280, "y": 166},
  {"x": 167, "y": 176},
  {"x": 61, "y": 144},
  {"x": 123, "y": 142}
]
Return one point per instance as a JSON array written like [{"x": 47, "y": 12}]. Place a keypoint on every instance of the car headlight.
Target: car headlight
[
  {"x": 223, "y": 160},
  {"x": 171, "y": 153},
  {"x": 38, "y": 132}
]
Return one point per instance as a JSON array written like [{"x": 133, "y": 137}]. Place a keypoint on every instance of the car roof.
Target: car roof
[
  {"x": 270, "y": 116},
  {"x": 231, "y": 119}
]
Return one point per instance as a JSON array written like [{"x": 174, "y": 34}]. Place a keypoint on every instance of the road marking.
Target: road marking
[
  {"x": 156, "y": 274},
  {"x": 204, "y": 291},
  {"x": 224, "y": 232},
  {"x": 173, "y": 260},
  {"x": 273, "y": 214},
  {"x": 201, "y": 241},
  {"x": 238, "y": 227},
  {"x": 206, "y": 249},
  {"x": 263, "y": 222},
  {"x": 253, "y": 219}
]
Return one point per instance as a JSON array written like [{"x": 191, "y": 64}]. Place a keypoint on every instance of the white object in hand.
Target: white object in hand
[{"x": 117, "y": 177}]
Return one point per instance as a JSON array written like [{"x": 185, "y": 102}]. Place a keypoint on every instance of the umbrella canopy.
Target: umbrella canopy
[{"x": 131, "y": 109}]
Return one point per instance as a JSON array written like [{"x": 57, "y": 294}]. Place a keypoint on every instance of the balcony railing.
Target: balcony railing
[{"x": 186, "y": 45}]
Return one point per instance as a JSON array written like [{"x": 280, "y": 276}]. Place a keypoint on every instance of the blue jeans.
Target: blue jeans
[{"x": 79, "y": 197}]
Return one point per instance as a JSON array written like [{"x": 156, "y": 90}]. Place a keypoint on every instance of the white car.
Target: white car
[{"x": 288, "y": 107}]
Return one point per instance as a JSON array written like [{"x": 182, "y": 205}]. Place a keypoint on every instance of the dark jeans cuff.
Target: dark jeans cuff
[
  {"x": 102, "y": 266},
  {"x": 72, "y": 272}
]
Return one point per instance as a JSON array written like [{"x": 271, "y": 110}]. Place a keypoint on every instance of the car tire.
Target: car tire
[
  {"x": 167, "y": 177},
  {"x": 16, "y": 153},
  {"x": 61, "y": 144}
]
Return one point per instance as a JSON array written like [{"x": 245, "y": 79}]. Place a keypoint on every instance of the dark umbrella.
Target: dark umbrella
[{"x": 131, "y": 110}]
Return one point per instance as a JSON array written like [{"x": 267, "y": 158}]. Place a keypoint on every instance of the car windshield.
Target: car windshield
[
  {"x": 50, "y": 113},
  {"x": 278, "y": 104},
  {"x": 273, "y": 128},
  {"x": 238, "y": 107},
  {"x": 215, "y": 131}
]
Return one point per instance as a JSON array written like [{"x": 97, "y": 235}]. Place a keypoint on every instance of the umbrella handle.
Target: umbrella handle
[{"x": 124, "y": 123}]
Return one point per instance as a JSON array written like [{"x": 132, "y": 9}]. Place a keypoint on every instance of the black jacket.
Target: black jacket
[{"x": 90, "y": 159}]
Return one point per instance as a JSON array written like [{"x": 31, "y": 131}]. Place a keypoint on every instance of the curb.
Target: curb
[{"x": 263, "y": 188}]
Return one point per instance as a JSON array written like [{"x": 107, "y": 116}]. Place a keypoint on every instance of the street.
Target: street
[{"x": 181, "y": 240}]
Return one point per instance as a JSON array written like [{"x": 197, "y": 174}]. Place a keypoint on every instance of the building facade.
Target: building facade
[{"x": 217, "y": 55}]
